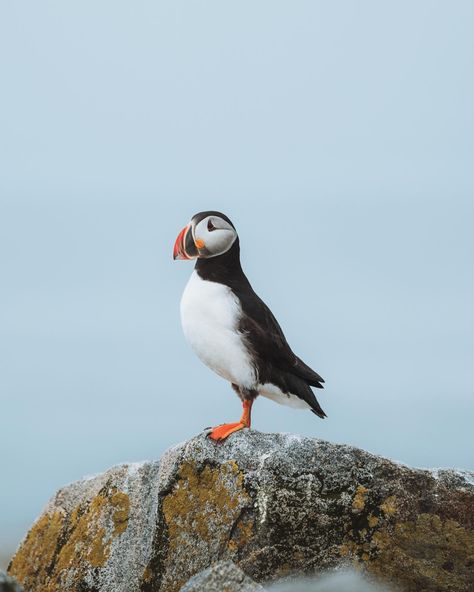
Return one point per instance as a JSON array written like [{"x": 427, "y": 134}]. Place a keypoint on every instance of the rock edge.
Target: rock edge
[{"x": 274, "y": 504}]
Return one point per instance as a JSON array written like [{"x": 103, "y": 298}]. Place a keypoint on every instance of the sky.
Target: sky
[{"x": 337, "y": 136}]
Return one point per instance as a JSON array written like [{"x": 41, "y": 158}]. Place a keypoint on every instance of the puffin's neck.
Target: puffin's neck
[{"x": 223, "y": 269}]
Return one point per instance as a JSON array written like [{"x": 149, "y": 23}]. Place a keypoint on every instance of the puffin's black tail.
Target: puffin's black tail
[
  {"x": 319, "y": 412},
  {"x": 307, "y": 373},
  {"x": 302, "y": 389},
  {"x": 316, "y": 408}
]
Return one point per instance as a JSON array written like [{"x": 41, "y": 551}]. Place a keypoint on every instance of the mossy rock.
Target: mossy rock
[{"x": 274, "y": 504}]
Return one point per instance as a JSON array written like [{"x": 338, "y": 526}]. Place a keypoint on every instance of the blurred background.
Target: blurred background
[{"x": 339, "y": 138}]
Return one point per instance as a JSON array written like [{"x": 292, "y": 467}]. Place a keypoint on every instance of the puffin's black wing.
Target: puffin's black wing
[{"x": 275, "y": 361}]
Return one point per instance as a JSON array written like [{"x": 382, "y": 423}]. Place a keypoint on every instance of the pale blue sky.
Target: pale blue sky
[{"x": 339, "y": 138}]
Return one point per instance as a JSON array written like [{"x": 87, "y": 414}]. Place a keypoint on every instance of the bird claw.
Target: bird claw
[{"x": 224, "y": 430}]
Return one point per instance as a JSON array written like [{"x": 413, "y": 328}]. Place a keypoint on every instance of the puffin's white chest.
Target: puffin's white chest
[{"x": 210, "y": 314}]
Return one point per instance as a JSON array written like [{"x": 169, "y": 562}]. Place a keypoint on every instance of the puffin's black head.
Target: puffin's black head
[{"x": 209, "y": 234}]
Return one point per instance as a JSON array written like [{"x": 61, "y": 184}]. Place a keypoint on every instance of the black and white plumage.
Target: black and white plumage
[{"x": 230, "y": 328}]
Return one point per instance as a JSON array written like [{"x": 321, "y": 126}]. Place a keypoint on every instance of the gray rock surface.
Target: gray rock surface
[
  {"x": 274, "y": 504},
  {"x": 9, "y": 584},
  {"x": 224, "y": 575}
]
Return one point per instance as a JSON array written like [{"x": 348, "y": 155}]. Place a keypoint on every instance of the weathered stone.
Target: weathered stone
[
  {"x": 224, "y": 575},
  {"x": 93, "y": 535},
  {"x": 274, "y": 504},
  {"x": 9, "y": 584}
]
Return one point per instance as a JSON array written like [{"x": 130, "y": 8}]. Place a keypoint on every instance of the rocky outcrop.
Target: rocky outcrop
[
  {"x": 274, "y": 504},
  {"x": 223, "y": 575}
]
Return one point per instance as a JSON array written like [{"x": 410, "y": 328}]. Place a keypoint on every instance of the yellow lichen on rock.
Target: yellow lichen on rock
[
  {"x": 147, "y": 575},
  {"x": 198, "y": 498},
  {"x": 87, "y": 542},
  {"x": 346, "y": 548},
  {"x": 245, "y": 531},
  {"x": 204, "y": 502},
  {"x": 358, "y": 503},
  {"x": 436, "y": 550},
  {"x": 372, "y": 520},
  {"x": 389, "y": 506},
  {"x": 121, "y": 502},
  {"x": 37, "y": 551}
]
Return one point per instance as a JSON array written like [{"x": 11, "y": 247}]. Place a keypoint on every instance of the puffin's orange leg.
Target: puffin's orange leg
[{"x": 226, "y": 429}]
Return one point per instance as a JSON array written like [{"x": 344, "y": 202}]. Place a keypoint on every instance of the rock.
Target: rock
[
  {"x": 224, "y": 575},
  {"x": 274, "y": 504},
  {"x": 8, "y": 584},
  {"x": 94, "y": 535}
]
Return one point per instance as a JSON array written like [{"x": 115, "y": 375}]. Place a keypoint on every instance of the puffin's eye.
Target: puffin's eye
[{"x": 210, "y": 225}]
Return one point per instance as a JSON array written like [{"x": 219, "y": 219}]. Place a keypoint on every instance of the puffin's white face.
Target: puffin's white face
[{"x": 209, "y": 234}]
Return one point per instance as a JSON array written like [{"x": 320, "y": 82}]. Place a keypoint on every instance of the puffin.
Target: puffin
[{"x": 232, "y": 330}]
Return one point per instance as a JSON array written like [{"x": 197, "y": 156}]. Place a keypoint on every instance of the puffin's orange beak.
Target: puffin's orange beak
[
  {"x": 184, "y": 246},
  {"x": 178, "y": 249}
]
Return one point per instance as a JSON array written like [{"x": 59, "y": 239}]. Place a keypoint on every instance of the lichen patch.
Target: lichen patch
[
  {"x": 69, "y": 546},
  {"x": 389, "y": 506},
  {"x": 199, "y": 514},
  {"x": 358, "y": 503},
  {"x": 437, "y": 551},
  {"x": 36, "y": 554}
]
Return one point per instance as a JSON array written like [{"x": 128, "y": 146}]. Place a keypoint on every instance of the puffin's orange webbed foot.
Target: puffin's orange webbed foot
[{"x": 226, "y": 429}]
